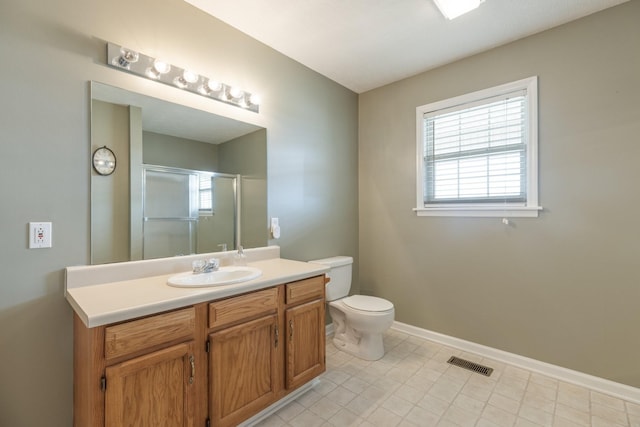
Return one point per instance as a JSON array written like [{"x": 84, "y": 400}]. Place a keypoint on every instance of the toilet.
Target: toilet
[{"x": 358, "y": 320}]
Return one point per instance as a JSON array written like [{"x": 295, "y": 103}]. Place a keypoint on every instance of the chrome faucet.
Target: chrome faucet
[
  {"x": 205, "y": 266},
  {"x": 223, "y": 247}
]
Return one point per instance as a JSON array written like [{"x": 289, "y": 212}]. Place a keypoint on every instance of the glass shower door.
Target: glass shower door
[
  {"x": 220, "y": 225},
  {"x": 170, "y": 212}
]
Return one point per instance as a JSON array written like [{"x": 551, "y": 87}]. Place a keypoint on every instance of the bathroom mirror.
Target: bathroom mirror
[{"x": 186, "y": 181}]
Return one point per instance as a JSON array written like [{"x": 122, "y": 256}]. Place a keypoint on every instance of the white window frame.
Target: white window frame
[{"x": 530, "y": 207}]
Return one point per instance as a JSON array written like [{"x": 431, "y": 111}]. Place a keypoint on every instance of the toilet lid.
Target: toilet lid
[{"x": 367, "y": 303}]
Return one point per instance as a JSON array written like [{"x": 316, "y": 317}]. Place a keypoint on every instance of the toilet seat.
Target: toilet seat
[{"x": 367, "y": 303}]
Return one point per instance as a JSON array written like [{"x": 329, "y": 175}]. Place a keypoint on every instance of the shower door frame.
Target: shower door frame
[{"x": 193, "y": 194}]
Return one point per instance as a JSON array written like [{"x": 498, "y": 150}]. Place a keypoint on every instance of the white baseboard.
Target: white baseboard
[
  {"x": 279, "y": 404},
  {"x": 612, "y": 388},
  {"x": 328, "y": 329}
]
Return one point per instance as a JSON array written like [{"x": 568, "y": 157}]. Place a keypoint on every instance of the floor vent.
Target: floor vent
[{"x": 484, "y": 370}]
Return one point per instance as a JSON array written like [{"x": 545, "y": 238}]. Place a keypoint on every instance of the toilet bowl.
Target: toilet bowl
[{"x": 358, "y": 320}]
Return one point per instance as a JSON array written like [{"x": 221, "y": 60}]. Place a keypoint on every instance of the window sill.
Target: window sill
[{"x": 481, "y": 211}]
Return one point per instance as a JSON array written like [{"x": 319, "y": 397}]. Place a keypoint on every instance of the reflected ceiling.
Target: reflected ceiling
[{"x": 174, "y": 119}]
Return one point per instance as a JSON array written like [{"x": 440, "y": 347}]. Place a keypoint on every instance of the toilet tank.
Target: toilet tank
[{"x": 340, "y": 275}]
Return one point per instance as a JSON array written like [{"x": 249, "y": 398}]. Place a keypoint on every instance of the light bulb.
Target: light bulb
[
  {"x": 254, "y": 99},
  {"x": 214, "y": 85},
  {"x": 189, "y": 76},
  {"x": 210, "y": 86},
  {"x": 235, "y": 92},
  {"x": 161, "y": 67}
]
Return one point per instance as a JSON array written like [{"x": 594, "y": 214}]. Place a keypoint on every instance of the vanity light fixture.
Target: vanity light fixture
[
  {"x": 210, "y": 87},
  {"x": 254, "y": 99},
  {"x": 157, "y": 69},
  {"x": 235, "y": 93},
  {"x": 127, "y": 57},
  {"x": 151, "y": 68},
  {"x": 187, "y": 77},
  {"x": 453, "y": 8}
]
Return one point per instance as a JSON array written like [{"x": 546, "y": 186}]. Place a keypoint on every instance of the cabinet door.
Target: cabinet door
[
  {"x": 306, "y": 343},
  {"x": 243, "y": 370},
  {"x": 156, "y": 389}
]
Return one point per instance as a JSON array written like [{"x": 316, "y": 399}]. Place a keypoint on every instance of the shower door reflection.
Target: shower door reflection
[
  {"x": 187, "y": 212},
  {"x": 170, "y": 212},
  {"x": 220, "y": 226}
]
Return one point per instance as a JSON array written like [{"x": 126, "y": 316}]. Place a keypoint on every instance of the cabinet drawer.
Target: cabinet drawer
[
  {"x": 242, "y": 307},
  {"x": 131, "y": 337},
  {"x": 305, "y": 290}
]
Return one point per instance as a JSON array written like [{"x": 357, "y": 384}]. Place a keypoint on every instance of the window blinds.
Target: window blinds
[
  {"x": 206, "y": 193},
  {"x": 476, "y": 152}
]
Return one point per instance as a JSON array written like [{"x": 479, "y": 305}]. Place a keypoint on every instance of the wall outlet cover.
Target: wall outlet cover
[{"x": 40, "y": 235}]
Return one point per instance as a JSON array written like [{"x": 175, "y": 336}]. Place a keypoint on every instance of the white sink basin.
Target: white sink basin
[{"x": 223, "y": 276}]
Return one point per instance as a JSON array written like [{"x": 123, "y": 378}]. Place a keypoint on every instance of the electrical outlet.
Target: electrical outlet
[{"x": 40, "y": 235}]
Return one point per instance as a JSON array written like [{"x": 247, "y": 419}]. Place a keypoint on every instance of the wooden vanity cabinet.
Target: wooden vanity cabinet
[
  {"x": 137, "y": 373},
  {"x": 216, "y": 363},
  {"x": 304, "y": 322},
  {"x": 264, "y": 345},
  {"x": 152, "y": 390},
  {"x": 244, "y": 355}
]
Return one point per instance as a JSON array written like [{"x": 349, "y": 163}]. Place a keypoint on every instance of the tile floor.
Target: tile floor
[{"x": 412, "y": 385}]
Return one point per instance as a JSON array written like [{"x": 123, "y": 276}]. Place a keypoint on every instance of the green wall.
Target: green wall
[
  {"x": 52, "y": 51},
  {"x": 167, "y": 150},
  {"x": 245, "y": 155},
  {"x": 563, "y": 288},
  {"x": 110, "y": 211}
]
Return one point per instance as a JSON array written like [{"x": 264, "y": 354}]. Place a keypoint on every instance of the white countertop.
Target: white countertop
[{"x": 104, "y": 303}]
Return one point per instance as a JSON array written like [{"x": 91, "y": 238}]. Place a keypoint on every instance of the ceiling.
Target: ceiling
[{"x": 365, "y": 44}]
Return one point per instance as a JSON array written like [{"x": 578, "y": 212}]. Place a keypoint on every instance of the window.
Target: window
[
  {"x": 205, "y": 187},
  {"x": 477, "y": 153}
]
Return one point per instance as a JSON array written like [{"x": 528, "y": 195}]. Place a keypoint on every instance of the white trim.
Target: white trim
[
  {"x": 612, "y": 388},
  {"x": 481, "y": 211},
  {"x": 328, "y": 329},
  {"x": 532, "y": 145},
  {"x": 530, "y": 85},
  {"x": 279, "y": 404}
]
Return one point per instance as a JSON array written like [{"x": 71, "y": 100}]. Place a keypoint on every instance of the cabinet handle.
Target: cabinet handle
[
  {"x": 192, "y": 361},
  {"x": 277, "y": 333},
  {"x": 291, "y": 329}
]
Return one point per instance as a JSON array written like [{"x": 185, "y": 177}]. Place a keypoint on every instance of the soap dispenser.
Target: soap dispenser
[{"x": 240, "y": 258}]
